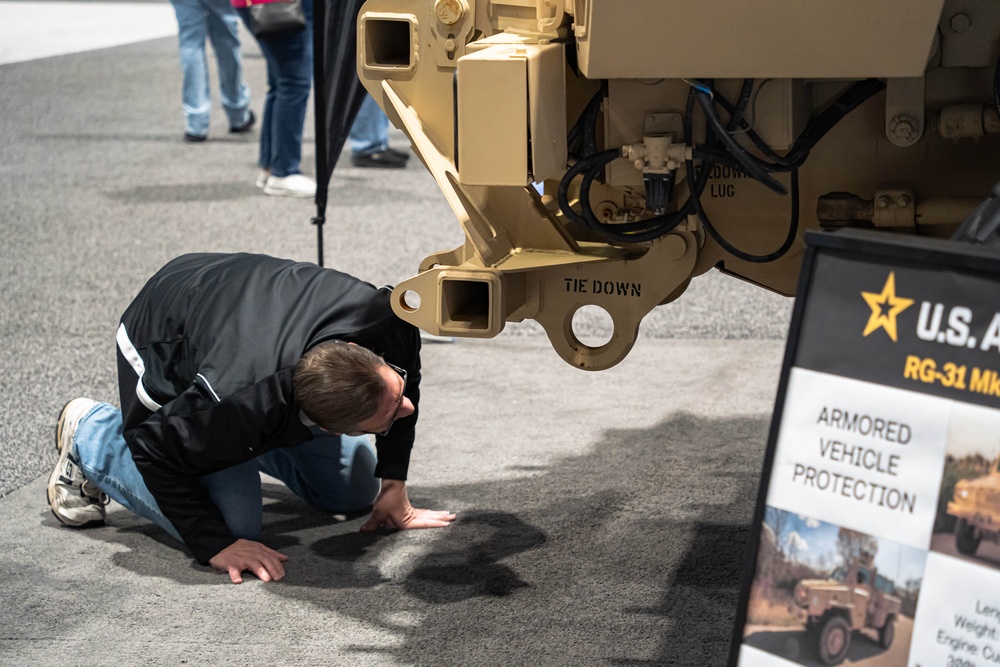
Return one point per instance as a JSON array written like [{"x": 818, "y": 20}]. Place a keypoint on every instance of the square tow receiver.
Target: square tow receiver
[
  {"x": 387, "y": 43},
  {"x": 469, "y": 304}
]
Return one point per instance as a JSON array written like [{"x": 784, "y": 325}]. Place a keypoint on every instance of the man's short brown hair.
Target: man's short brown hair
[{"x": 338, "y": 385}]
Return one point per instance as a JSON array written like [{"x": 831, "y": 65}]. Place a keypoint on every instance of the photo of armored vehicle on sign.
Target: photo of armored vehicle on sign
[
  {"x": 967, "y": 524},
  {"x": 975, "y": 506},
  {"x": 823, "y": 594},
  {"x": 853, "y": 598}
]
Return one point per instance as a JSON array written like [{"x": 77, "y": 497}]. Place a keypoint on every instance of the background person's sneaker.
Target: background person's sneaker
[
  {"x": 295, "y": 185},
  {"x": 74, "y": 500}
]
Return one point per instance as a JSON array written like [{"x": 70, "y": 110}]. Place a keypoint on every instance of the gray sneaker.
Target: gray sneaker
[{"x": 74, "y": 500}]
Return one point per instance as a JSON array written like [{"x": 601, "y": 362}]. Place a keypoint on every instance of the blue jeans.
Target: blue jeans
[
  {"x": 332, "y": 473},
  {"x": 216, "y": 20},
  {"x": 289, "y": 78},
  {"x": 370, "y": 131}
]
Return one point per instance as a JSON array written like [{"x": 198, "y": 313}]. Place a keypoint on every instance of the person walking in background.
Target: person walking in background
[
  {"x": 369, "y": 139},
  {"x": 217, "y": 21},
  {"x": 289, "y": 60}
]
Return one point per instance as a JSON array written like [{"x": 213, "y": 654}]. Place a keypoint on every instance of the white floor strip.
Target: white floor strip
[{"x": 30, "y": 30}]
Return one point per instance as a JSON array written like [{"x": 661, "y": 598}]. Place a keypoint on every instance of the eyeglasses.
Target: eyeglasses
[{"x": 399, "y": 402}]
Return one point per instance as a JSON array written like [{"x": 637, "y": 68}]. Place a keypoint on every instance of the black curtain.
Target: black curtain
[{"x": 338, "y": 92}]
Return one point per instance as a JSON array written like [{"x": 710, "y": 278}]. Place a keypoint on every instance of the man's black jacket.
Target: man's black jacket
[{"x": 210, "y": 346}]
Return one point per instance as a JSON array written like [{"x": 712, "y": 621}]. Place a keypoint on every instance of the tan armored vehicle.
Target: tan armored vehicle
[
  {"x": 854, "y": 598},
  {"x": 976, "y": 507},
  {"x": 604, "y": 153}
]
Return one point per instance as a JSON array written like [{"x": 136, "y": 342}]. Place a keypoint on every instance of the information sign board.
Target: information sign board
[{"x": 875, "y": 533}]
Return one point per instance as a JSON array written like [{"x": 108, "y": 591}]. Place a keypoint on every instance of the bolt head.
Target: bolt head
[
  {"x": 449, "y": 12},
  {"x": 903, "y": 127},
  {"x": 960, "y": 22}
]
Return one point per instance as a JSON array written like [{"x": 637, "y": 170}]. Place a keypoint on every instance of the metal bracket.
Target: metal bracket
[
  {"x": 451, "y": 29},
  {"x": 894, "y": 207},
  {"x": 550, "y": 14},
  {"x": 473, "y": 300},
  {"x": 904, "y": 111}
]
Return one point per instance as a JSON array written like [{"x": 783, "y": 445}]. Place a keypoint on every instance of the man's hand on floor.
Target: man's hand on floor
[
  {"x": 244, "y": 555},
  {"x": 393, "y": 510}
]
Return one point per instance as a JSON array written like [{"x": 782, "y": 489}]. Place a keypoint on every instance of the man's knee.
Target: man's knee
[
  {"x": 236, "y": 493},
  {"x": 366, "y": 492},
  {"x": 363, "y": 485}
]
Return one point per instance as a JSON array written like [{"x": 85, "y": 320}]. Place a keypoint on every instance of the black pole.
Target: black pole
[
  {"x": 319, "y": 239},
  {"x": 338, "y": 93},
  {"x": 319, "y": 113}
]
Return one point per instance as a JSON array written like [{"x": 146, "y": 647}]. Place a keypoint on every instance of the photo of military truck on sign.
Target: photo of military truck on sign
[
  {"x": 823, "y": 594},
  {"x": 967, "y": 525},
  {"x": 975, "y": 505},
  {"x": 855, "y": 597}
]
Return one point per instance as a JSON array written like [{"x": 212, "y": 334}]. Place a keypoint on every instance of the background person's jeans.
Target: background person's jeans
[
  {"x": 289, "y": 79},
  {"x": 370, "y": 131},
  {"x": 332, "y": 473},
  {"x": 215, "y": 20}
]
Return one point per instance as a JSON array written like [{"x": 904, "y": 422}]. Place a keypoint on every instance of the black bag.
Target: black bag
[{"x": 282, "y": 17}]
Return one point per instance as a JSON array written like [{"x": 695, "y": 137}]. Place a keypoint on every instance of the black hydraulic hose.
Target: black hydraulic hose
[
  {"x": 706, "y": 153},
  {"x": 651, "y": 228},
  {"x": 589, "y": 143},
  {"x": 669, "y": 221},
  {"x": 584, "y": 129},
  {"x": 793, "y": 227},
  {"x": 626, "y": 230},
  {"x": 753, "y": 136},
  {"x": 815, "y": 130},
  {"x": 629, "y": 232},
  {"x": 734, "y": 148},
  {"x": 833, "y": 114},
  {"x": 736, "y": 117},
  {"x": 709, "y": 156},
  {"x": 591, "y": 165},
  {"x": 599, "y": 160},
  {"x": 632, "y": 232},
  {"x": 578, "y": 127},
  {"x": 698, "y": 184}
]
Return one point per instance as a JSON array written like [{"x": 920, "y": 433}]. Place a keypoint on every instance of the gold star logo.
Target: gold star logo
[{"x": 885, "y": 307}]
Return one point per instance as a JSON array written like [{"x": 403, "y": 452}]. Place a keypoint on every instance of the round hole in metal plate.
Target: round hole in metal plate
[
  {"x": 410, "y": 301},
  {"x": 593, "y": 326}
]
